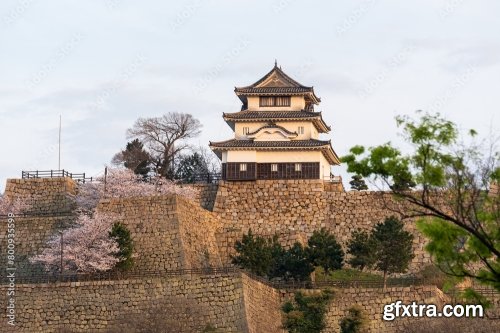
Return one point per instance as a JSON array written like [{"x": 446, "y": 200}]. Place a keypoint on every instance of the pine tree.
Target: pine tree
[
  {"x": 393, "y": 247},
  {"x": 324, "y": 250},
  {"x": 361, "y": 249},
  {"x": 358, "y": 183}
]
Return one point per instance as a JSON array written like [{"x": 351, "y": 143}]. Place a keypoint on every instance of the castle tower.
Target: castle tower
[{"x": 276, "y": 133}]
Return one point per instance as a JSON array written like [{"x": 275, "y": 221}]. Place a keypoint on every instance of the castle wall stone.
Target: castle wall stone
[
  {"x": 169, "y": 232},
  {"x": 45, "y": 195},
  {"x": 294, "y": 209},
  {"x": 96, "y": 305}
]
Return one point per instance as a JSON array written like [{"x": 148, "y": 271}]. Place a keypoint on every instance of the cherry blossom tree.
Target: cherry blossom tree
[
  {"x": 123, "y": 183},
  {"x": 14, "y": 206},
  {"x": 87, "y": 247}
]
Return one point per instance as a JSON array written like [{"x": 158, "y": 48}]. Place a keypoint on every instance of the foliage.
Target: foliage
[
  {"x": 293, "y": 264},
  {"x": 134, "y": 157},
  {"x": 355, "y": 321},
  {"x": 451, "y": 177},
  {"x": 257, "y": 254},
  {"x": 165, "y": 137},
  {"x": 358, "y": 183},
  {"x": 121, "y": 234},
  {"x": 361, "y": 249},
  {"x": 123, "y": 183},
  {"x": 189, "y": 166},
  {"x": 306, "y": 314},
  {"x": 433, "y": 275},
  {"x": 393, "y": 247},
  {"x": 346, "y": 274},
  {"x": 324, "y": 250},
  {"x": 87, "y": 246},
  {"x": 266, "y": 257}
]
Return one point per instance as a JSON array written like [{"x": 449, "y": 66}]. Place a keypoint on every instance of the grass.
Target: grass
[{"x": 346, "y": 274}]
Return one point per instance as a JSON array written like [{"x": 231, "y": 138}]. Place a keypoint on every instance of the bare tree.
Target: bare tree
[{"x": 165, "y": 137}]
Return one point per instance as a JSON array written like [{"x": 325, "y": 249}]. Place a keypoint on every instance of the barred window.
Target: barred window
[
  {"x": 246, "y": 130},
  {"x": 274, "y": 100},
  {"x": 298, "y": 167},
  {"x": 301, "y": 129},
  {"x": 243, "y": 167},
  {"x": 274, "y": 167}
]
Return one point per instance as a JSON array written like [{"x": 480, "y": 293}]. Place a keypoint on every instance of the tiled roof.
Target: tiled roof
[
  {"x": 273, "y": 90},
  {"x": 271, "y": 114},
  {"x": 280, "y": 84},
  {"x": 269, "y": 144}
]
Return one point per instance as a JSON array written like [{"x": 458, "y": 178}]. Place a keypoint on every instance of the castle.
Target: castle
[
  {"x": 276, "y": 180},
  {"x": 276, "y": 133}
]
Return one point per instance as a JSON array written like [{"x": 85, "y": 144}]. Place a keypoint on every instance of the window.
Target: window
[
  {"x": 274, "y": 100},
  {"x": 301, "y": 129},
  {"x": 274, "y": 167},
  {"x": 298, "y": 167},
  {"x": 243, "y": 167},
  {"x": 246, "y": 130}
]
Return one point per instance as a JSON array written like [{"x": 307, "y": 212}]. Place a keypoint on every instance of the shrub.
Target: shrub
[
  {"x": 355, "y": 321},
  {"x": 306, "y": 314},
  {"x": 121, "y": 234}
]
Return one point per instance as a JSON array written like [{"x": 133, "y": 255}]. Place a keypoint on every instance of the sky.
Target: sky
[{"x": 100, "y": 65}]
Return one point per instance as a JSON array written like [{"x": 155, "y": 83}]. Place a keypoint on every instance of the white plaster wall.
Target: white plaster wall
[
  {"x": 288, "y": 156},
  {"x": 241, "y": 156},
  {"x": 297, "y": 103}
]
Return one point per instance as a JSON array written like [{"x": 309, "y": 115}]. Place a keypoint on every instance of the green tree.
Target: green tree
[
  {"x": 292, "y": 264},
  {"x": 190, "y": 166},
  {"x": 451, "y": 175},
  {"x": 257, "y": 254},
  {"x": 306, "y": 314},
  {"x": 125, "y": 244},
  {"x": 393, "y": 247},
  {"x": 355, "y": 321},
  {"x": 358, "y": 183},
  {"x": 134, "y": 157},
  {"x": 324, "y": 251},
  {"x": 361, "y": 249}
]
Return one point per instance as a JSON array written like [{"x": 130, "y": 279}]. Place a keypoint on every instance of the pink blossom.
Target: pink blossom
[{"x": 87, "y": 247}]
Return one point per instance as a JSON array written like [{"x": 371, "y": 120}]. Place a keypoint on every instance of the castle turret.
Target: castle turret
[{"x": 276, "y": 133}]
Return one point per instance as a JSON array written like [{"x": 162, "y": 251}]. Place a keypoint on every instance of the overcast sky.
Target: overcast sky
[{"x": 102, "y": 64}]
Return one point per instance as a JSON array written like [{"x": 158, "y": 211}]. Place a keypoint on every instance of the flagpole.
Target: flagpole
[{"x": 59, "y": 160}]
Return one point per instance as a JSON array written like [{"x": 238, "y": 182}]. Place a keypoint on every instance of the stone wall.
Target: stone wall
[
  {"x": 262, "y": 306},
  {"x": 46, "y": 195},
  {"x": 296, "y": 208},
  {"x": 94, "y": 306},
  {"x": 372, "y": 302},
  {"x": 206, "y": 195},
  {"x": 169, "y": 232},
  {"x": 31, "y": 235}
]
